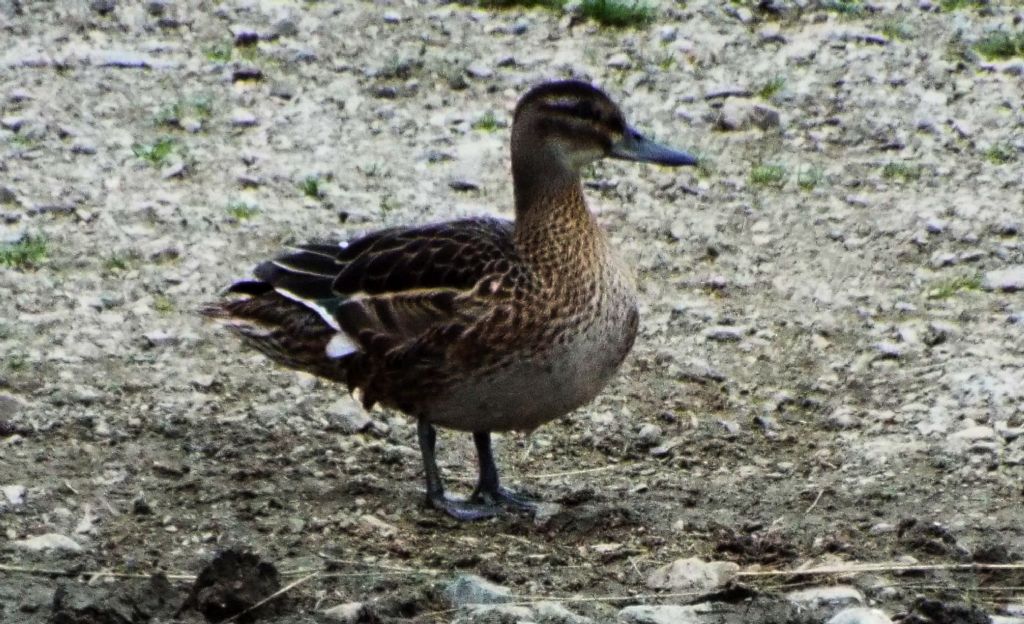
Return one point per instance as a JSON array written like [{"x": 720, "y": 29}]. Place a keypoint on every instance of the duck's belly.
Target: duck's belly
[{"x": 531, "y": 390}]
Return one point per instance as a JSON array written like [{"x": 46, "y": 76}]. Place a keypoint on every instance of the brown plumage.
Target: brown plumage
[{"x": 480, "y": 324}]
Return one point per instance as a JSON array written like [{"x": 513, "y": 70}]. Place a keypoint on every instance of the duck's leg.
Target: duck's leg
[
  {"x": 488, "y": 490},
  {"x": 460, "y": 510}
]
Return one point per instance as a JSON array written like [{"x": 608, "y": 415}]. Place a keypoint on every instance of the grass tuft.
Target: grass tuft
[
  {"x": 618, "y": 13},
  {"x": 155, "y": 153},
  {"x": 487, "y": 122},
  {"x": 240, "y": 210},
  {"x": 903, "y": 171},
  {"x": 1000, "y": 154},
  {"x": 219, "y": 53},
  {"x": 118, "y": 262},
  {"x": 1000, "y": 45},
  {"x": 523, "y": 4},
  {"x": 953, "y": 5},
  {"x": 947, "y": 288},
  {"x": 28, "y": 253},
  {"x": 771, "y": 88},
  {"x": 768, "y": 175},
  {"x": 163, "y": 304},
  {"x": 897, "y": 30},
  {"x": 844, "y": 7},
  {"x": 311, "y": 187}
]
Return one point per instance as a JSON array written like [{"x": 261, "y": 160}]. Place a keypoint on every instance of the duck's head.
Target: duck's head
[{"x": 575, "y": 124}]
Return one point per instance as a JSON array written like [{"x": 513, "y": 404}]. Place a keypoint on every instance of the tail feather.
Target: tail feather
[{"x": 285, "y": 330}]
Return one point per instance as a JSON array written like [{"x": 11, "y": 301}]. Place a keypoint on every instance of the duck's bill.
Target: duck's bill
[{"x": 634, "y": 146}]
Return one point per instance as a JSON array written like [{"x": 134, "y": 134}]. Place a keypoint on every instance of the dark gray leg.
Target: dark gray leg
[
  {"x": 488, "y": 490},
  {"x": 460, "y": 510}
]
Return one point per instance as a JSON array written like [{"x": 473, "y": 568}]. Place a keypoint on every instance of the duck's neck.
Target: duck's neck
[{"x": 554, "y": 229}]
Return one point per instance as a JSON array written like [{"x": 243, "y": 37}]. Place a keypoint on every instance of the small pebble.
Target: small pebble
[{"x": 243, "y": 118}]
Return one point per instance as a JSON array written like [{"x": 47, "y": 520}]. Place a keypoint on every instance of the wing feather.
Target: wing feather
[{"x": 394, "y": 285}]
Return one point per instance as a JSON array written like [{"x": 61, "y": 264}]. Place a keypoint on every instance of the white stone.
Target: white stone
[
  {"x": 555, "y": 613},
  {"x": 243, "y": 118},
  {"x": 498, "y": 613},
  {"x": 15, "y": 494},
  {"x": 619, "y": 60},
  {"x": 692, "y": 575},
  {"x": 1010, "y": 279},
  {"x": 830, "y": 595},
  {"x": 962, "y": 440},
  {"x": 348, "y": 416},
  {"x": 860, "y": 615},
  {"x": 477, "y": 69},
  {"x": 48, "y": 541},
  {"x": 724, "y": 333},
  {"x": 470, "y": 589},
  {"x": 347, "y": 613},
  {"x": 664, "y": 614}
]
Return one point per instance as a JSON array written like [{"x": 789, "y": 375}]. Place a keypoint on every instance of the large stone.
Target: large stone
[
  {"x": 692, "y": 575},
  {"x": 827, "y": 596},
  {"x": 48, "y": 541},
  {"x": 860, "y": 615},
  {"x": 347, "y": 613},
  {"x": 1010, "y": 279},
  {"x": 470, "y": 589},
  {"x": 665, "y": 614}
]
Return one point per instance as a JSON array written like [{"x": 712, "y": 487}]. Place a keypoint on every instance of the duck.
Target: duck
[{"x": 478, "y": 325}]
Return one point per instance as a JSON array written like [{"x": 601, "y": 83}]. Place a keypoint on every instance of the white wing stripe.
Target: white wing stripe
[{"x": 324, "y": 314}]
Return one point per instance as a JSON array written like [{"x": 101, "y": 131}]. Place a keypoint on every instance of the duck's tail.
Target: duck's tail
[{"x": 291, "y": 332}]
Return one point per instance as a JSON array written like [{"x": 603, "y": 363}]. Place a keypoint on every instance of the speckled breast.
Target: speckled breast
[{"x": 551, "y": 381}]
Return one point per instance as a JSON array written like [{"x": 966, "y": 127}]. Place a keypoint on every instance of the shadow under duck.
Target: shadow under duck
[{"x": 479, "y": 324}]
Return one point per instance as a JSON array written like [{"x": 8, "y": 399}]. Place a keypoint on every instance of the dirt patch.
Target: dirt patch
[{"x": 237, "y": 585}]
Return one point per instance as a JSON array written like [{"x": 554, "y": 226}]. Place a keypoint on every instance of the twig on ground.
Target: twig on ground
[
  {"x": 815, "y": 503},
  {"x": 287, "y": 588}
]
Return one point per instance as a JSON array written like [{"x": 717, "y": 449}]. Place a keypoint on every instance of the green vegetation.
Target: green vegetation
[
  {"x": 509, "y": 4},
  {"x": 1000, "y": 154},
  {"x": 118, "y": 262},
  {"x": 488, "y": 122},
  {"x": 807, "y": 179},
  {"x": 219, "y": 53},
  {"x": 953, "y": 5},
  {"x": 903, "y": 171},
  {"x": 949, "y": 287},
  {"x": 26, "y": 253},
  {"x": 311, "y": 187},
  {"x": 618, "y": 13},
  {"x": 240, "y": 211},
  {"x": 163, "y": 304},
  {"x": 768, "y": 175},
  {"x": 15, "y": 362},
  {"x": 200, "y": 107},
  {"x": 1000, "y": 45},
  {"x": 248, "y": 52},
  {"x": 156, "y": 153},
  {"x": 705, "y": 164},
  {"x": 771, "y": 88},
  {"x": 22, "y": 140},
  {"x": 897, "y": 30},
  {"x": 844, "y": 7}
]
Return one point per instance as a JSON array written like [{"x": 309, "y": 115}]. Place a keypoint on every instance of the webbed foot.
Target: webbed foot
[
  {"x": 464, "y": 510},
  {"x": 504, "y": 498}
]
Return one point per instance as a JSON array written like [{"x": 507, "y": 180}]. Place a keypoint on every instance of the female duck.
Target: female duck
[{"x": 478, "y": 325}]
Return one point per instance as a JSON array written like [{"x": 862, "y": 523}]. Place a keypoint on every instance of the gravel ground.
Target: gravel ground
[{"x": 830, "y": 369}]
